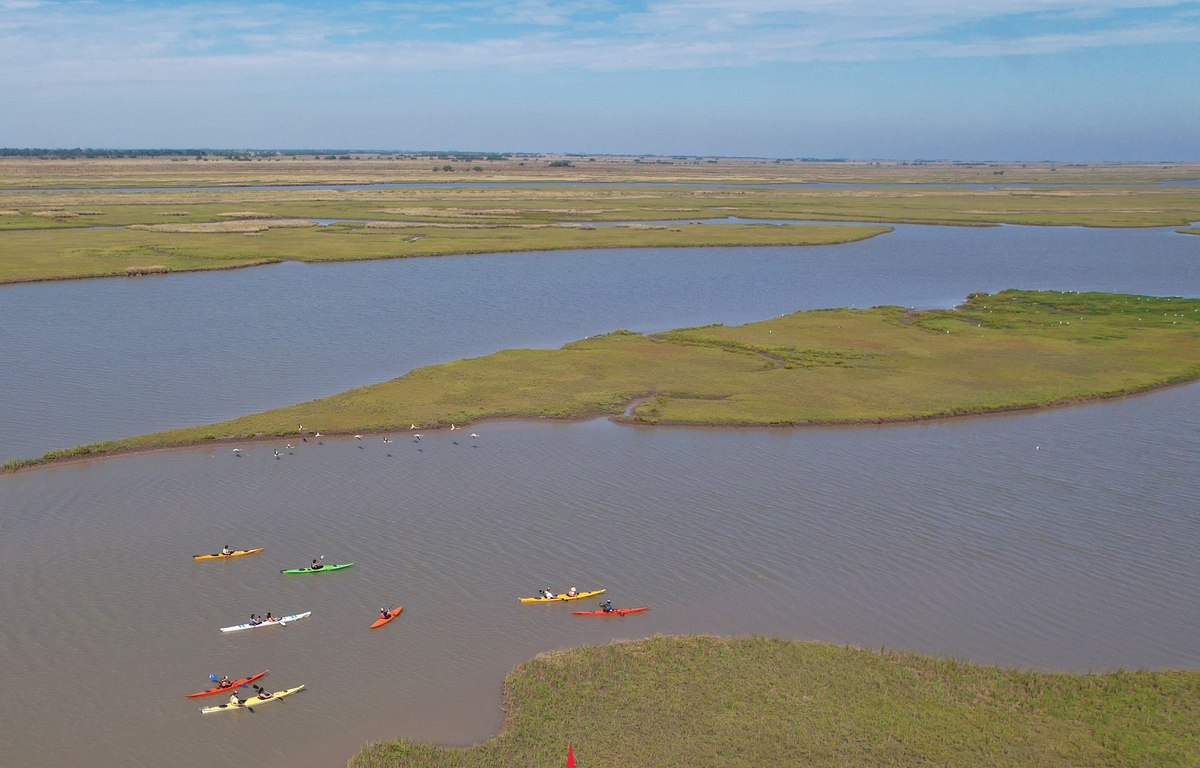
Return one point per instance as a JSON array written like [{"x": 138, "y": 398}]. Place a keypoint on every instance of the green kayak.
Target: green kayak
[{"x": 322, "y": 569}]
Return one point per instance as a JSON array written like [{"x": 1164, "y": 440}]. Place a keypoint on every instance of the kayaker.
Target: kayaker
[
  {"x": 607, "y": 606},
  {"x": 383, "y": 614},
  {"x": 572, "y": 592},
  {"x": 316, "y": 566},
  {"x": 226, "y": 550},
  {"x": 263, "y": 693},
  {"x": 234, "y": 701},
  {"x": 547, "y": 593},
  {"x": 270, "y": 617},
  {"x": 225, "y": 682},
  {"x": 254, "y": 620}
]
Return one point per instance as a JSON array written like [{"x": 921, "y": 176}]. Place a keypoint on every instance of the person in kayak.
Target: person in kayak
[
  {"x": 606, "y": 606},
  {"x": 226, "y": 550},
  {"x": 270, "y": 618},
  {"x": 263, "y": 693},
  {"x": 572, "y": 592},
  {"x": 547, "y": 593},
  {"x": 234, "y": 701},
  {"x": 316, "y": 566},
  {"x": 225, "y": 682},
  {"x": 254, "y": 620},
  {"x": 383, "y": 614}
]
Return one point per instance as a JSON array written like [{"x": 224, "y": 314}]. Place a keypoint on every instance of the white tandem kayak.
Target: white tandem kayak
[{"x": 283, "y": 620}]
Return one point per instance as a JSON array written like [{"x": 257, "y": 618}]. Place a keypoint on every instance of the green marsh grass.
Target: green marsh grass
[
  {"x": 1011, "y": 350},
  {"x": 751, "y": 702}
]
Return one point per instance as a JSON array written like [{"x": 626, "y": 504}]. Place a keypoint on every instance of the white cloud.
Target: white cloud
[{"x": 52, "y": 41}]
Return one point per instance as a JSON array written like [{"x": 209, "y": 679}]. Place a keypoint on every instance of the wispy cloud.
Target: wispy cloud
[{"x": 53, "y": 41}]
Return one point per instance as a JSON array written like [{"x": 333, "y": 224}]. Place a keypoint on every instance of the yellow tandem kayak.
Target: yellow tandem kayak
[
  {"x": 563, "y": 596},
  {"x": 219, "y": 556},
  {"x": 253, "y": 701}
]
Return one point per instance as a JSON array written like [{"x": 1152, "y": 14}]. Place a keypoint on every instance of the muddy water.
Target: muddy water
[
  {"x": 96, "y": 359},
  {"x": 955, "y": 537}
]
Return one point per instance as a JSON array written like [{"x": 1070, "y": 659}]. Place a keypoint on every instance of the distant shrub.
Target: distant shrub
[{"x": 561, "y": 164}]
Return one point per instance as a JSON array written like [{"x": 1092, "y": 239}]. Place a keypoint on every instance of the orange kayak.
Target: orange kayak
[
  {"x": 613, "y": 612},
  {"x": 395, "y": 613},
  {"x": 236, "y": 683}
]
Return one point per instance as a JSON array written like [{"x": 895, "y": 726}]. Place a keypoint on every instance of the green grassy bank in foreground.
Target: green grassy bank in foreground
[
  {"x": 706, "y": 701},
  {"x": 1015, "y": 349},
  {"x": 73, "y": 253}
]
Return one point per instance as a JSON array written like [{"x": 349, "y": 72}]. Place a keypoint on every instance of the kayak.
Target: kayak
[
  {"x": 236, "y": 683},
  {"x": 235, "y": 553},
  {"x": 381, "y": 622},
  {"x": 613, "y": 612},
  {"x": 253, "y": 701},
  {"x": 284, "y": 620},
  {"x": 322, "y": 569},
  {"x": 556, "y": 598}
]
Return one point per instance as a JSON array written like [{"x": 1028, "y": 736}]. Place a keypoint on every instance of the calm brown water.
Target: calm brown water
[
  {"x": 955, "y": 538},
  {"x": 91, "y": 360}
]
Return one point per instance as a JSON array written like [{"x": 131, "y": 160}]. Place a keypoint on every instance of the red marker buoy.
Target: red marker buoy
[{"x": 570, "y": 756}]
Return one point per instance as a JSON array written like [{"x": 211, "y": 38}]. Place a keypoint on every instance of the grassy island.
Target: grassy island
[
  {"x": 1011, "y": 350},
  {"x": 706, "y": 701},
  {"x": 55, "y": 254}
]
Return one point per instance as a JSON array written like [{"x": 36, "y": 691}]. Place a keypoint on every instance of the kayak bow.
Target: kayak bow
[
  {"x": 381, "y": 622},
  {"x": 235, "y": 553},
  {"x": 236, "y": 683},
  {"x": 613, "y": 612},
  {"x": 557, "y": 598},
  {"x": 253, "y": 701},
  {"x": 322, "y": 569},
  {"x": 284, "y": 620}
]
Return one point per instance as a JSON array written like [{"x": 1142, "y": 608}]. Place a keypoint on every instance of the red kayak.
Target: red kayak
[
  {"x": 391, "y": 615},
  {"x": 236, "y": 683},
  {"x": 613, "y": 612}
]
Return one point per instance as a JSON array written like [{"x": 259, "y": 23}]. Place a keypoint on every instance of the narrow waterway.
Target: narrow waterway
[{"x": 89, "y": 360}]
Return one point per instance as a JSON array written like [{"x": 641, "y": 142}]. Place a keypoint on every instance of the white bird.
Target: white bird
[
  {"x": 301, "y": 427},
  {"x": 317, "y": 435},
  {"x": 289, "y": 446},
  {"x": 237, "y": 450},
  {"x": 414, "y": 426},
  {"x": 387, "y": 439},
  {"x": 474, "y": 435},
  {"x": 418, "y": 438},
  {"x": 276, "y": 453},
  {"x": 358, "y": 437},
  {"x": 452, "y": 427}
]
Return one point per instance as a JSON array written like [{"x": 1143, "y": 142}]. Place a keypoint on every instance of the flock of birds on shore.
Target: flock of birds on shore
[{"x": 386, "y": 439}]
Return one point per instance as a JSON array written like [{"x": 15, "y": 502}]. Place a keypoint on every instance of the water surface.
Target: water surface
[
  {"x": 90, "y": 360},
  {"x": 956, "y": 538}
]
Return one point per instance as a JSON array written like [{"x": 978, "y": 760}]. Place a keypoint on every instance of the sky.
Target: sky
[{"x": 1063, "y": 80}]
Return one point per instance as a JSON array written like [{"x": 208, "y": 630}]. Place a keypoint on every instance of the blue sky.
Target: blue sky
[{"x": 976, "y": 79}]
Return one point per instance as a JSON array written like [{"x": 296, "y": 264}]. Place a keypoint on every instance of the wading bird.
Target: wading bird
[
  {"x": 414, "y": 426},
  {"x": 358, "y": 437},
  {"x": 387, "y": 439},
  {"x": 474, "y": 435},
  {"x": 418, "y": 438}
]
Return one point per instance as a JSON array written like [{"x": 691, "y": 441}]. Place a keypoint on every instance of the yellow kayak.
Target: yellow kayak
[
  {"x": 253, "y": 701},
  {"x": 563, "y": 596},
  {"x": 219, "y": 556}
]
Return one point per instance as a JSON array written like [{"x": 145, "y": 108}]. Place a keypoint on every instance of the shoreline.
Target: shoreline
[
  {"x": 619, "y": 418},
  {"x": 885, "y": 230},
  {"x": 778, "y": 701}
]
